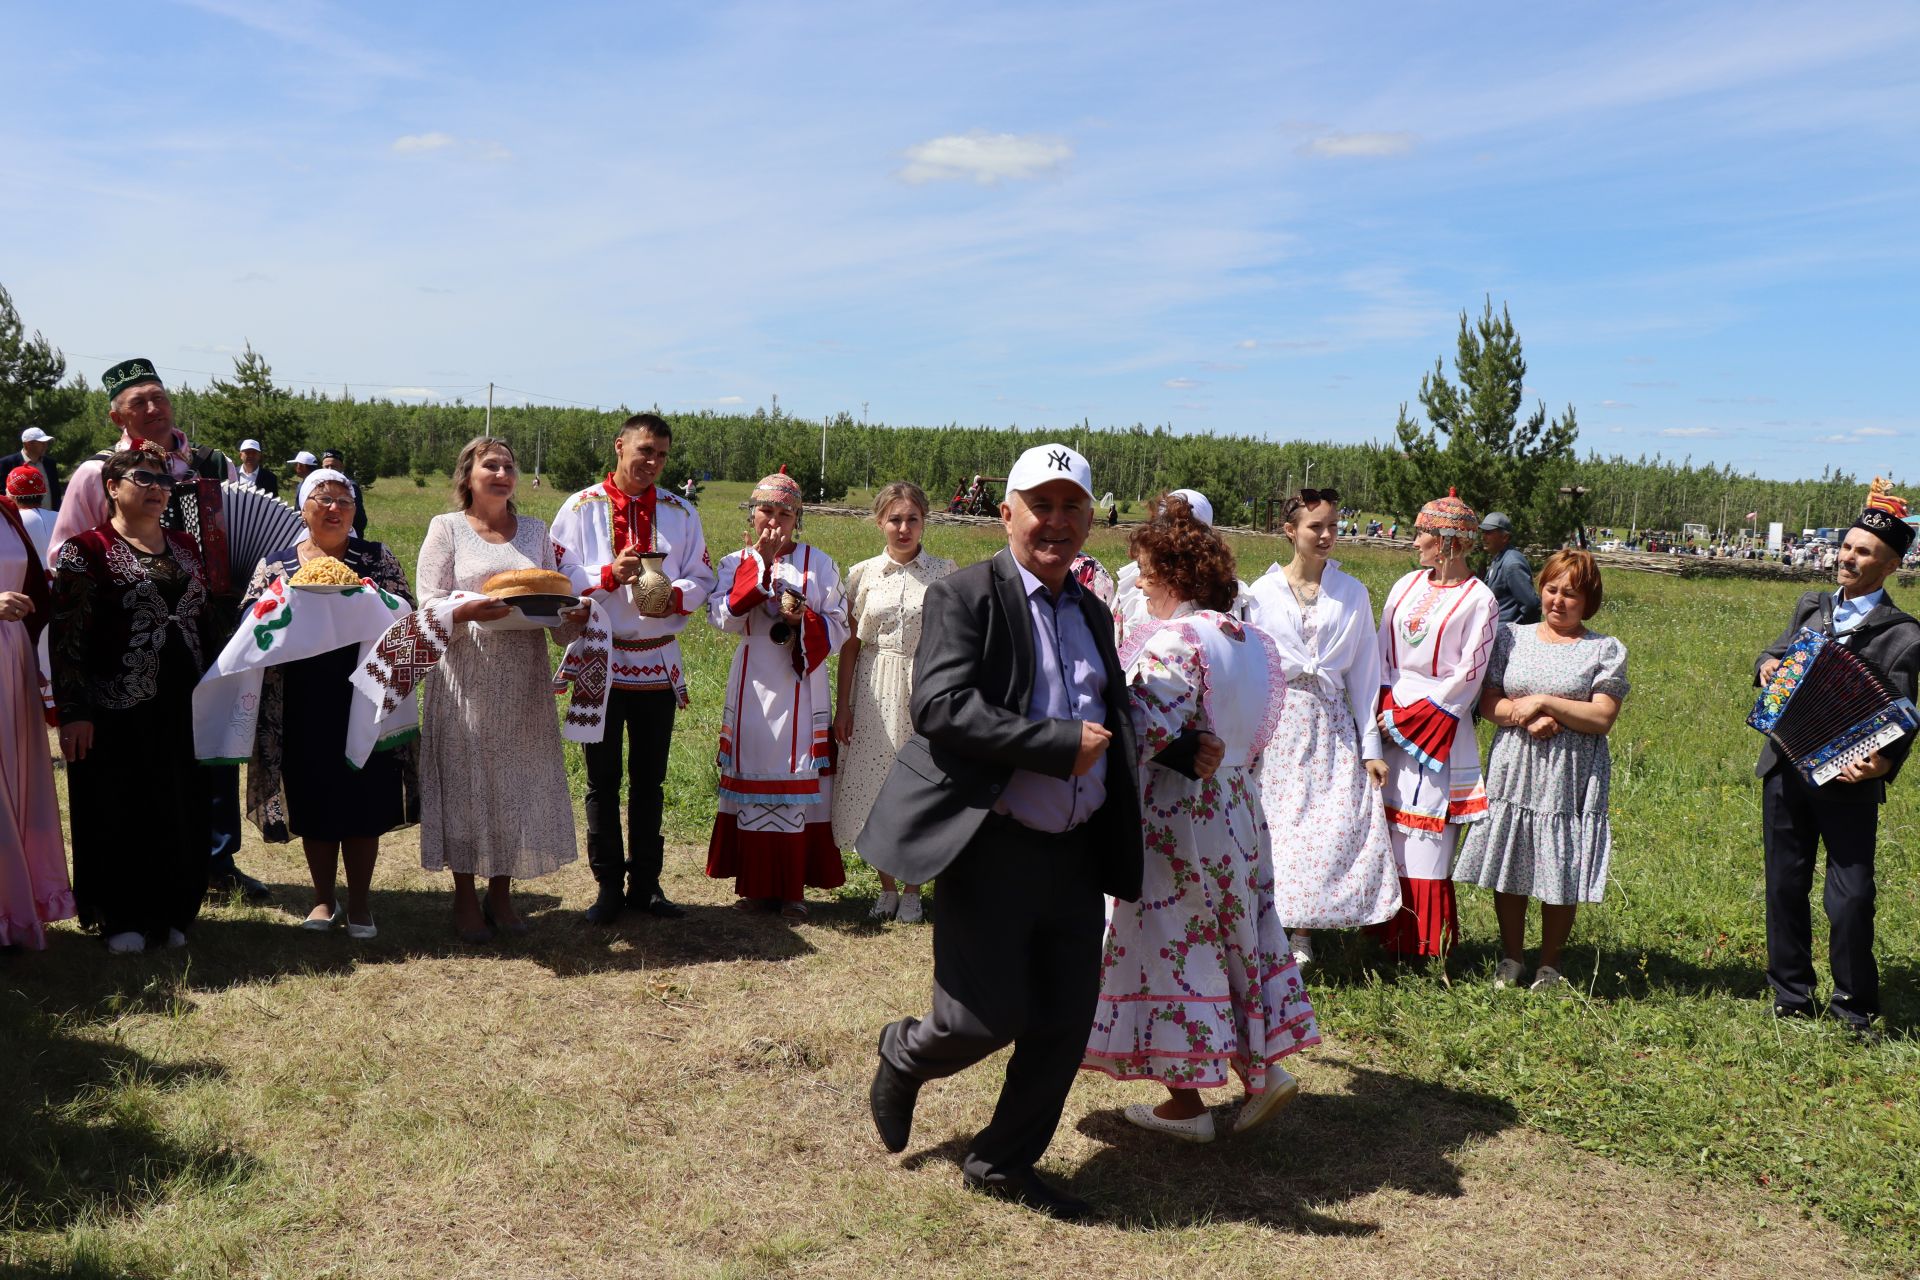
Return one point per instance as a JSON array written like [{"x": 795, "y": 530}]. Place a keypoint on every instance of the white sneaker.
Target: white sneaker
[
  {"x": 1198, "y": 1129},
  {"x": 1302, "y": 944},
  {"x": 1546, "y": 978},
  {"x": 127, "y": 944},
  {"x": 1282, "y": 1089},
  {"x": 910, "y": 912},
  {"x": 1508, "y": 973},
  {"x": 884, "y": 906},
  {"x": 175, "y": 939}
]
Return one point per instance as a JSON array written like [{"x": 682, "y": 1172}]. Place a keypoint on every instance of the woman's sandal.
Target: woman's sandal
[{"x": 794, "y": 911}]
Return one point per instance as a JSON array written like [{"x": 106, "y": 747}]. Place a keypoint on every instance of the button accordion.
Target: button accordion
[{"x": 1827, "y": 707}]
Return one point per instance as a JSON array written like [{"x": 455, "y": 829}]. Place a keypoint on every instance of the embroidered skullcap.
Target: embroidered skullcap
[
  {"x": 1886, "y": 517},
  {"x": 26, "y": 482},
  {"x": 320, "y": 476},
  {"x": 780, "y": 489},
  {"x": 1449, "y": 517},
  {"x": 128, "y": 373}
]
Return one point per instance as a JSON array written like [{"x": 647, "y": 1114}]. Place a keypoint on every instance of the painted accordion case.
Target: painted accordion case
[{"x": 1827, "y": 707}]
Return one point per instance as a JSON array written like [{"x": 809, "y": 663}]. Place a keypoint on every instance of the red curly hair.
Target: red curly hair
[
  {"x": 1187, "y": 556},
  {"x": 1582, "y": 573}
]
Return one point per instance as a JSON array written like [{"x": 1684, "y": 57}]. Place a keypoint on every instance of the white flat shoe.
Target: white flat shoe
[
  {"x": 1281, "y": 1090},
  {"x": 1198, "y": 1129},
  {"x": 884, "y": 906},
  {"x": 363, "y": 931},
  {"x": 910, "y": 912},
  {"x": 1546, "y": 978},
  {"x": 314, "y": 924},
  {"x": 1302, "y": 944},
  {"x": 127, "y": 944},
  {"x": 1508, "y": 973}
]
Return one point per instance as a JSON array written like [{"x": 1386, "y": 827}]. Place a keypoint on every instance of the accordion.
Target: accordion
[
  {"x": 257, "y": 525},
  {"x": 1827, "y": 707}
]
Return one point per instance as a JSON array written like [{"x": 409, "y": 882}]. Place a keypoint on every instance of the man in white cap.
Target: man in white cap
[
  {"x": 252, "y": 472},
  {"x": 302, "y": 463},
  {"x": 1017, "y": 791},
  {"x": 33, "y": 453}
]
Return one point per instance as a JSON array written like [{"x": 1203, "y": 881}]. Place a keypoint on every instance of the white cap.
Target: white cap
[
  {"x": 1202, "y": 509},
  {"x": 304, "y": 458},
  {"x": 33, "y": 435},
  {"x": 249, "y": 444},
  {"x": 1046, "y": 462}
]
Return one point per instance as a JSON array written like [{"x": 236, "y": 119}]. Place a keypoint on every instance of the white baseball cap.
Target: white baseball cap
[
  {"x": 33, "y": 435},
  {"x": 1202, "y": 509},
  {"x": 249, "y": 444},
  {"x": 304, "y": 458},
  {"x": 1046, "y": 462}
]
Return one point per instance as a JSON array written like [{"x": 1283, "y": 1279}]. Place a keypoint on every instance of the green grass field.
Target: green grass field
[{"x": 690, "y": 1098}]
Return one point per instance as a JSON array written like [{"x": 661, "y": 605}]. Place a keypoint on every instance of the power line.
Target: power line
[{"x": 535, "y": 395}]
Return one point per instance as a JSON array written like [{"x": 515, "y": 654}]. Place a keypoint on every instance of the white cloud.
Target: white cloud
[
  {"x": 1875, "y": 431},
  {"x": 985, "y": 158},
  {"x": 1180, "y": 384},
  {"x": 1364, "y": 145},
  {"x": 1692, "y": 433},
  {"x": 408, "y": 144},
  {"x": 410, "y": 393},
  {"x": 1247, "y": 344},
  {"x": 1617, "y": 404}
]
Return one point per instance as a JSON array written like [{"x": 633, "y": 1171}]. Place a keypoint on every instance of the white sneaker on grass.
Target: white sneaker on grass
[
  {"x": 884, "y": 906},
  {"x": 1508, "y": 973},
  {"x": 910, "y": 912},
  {"x": 1302, "y": 944},
  {"x": 126, "y": 944}
]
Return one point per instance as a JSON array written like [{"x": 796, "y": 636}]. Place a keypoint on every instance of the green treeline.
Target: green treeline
[{"x": 573, "y": 446}]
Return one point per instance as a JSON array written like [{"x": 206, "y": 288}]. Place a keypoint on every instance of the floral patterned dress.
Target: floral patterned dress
[
  {"x": 1197, "y": 977},
  {"x": 883, "y": 610}
]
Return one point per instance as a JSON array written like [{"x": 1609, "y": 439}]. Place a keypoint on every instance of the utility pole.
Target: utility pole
[
  {"x": 823, "y": 457},
  {"x": 1307, "y": 482},
  {"x": 489, "y": 408}
]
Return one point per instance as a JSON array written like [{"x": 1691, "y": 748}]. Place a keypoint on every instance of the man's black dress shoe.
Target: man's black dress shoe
[
  {"x": 1783, "y": 1012},
  {"x": 665, "y": 908},
  {"x": 1028, "y": 1188},
  {"x": 607, "y": 906},
  {"x": 228, "y": 880},
  {"x": 891, "y": 1098}
]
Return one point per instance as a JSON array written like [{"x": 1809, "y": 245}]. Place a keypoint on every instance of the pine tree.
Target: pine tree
[
  {"x": 1494, "y": 459},
  {"x": 251, "y": 406},
  {"x": 30, "y": 374}
]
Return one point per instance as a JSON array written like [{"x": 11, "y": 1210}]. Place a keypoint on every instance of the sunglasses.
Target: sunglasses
[
  {"x": 1314, "y": 497},
  {"x": 151, "y": 479}
]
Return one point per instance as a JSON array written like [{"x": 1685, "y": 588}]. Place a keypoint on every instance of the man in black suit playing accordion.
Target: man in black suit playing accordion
[{"x": 1845, "y": 812}]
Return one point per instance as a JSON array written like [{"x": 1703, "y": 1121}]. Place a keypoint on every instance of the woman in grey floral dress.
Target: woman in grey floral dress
[{"x": 1554, "y": 688}]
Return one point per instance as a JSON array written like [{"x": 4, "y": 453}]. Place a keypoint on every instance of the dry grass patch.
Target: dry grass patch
[{"x": 689, "y": 1098}]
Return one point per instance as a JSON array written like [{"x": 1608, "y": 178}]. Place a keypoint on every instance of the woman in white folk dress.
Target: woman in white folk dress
[
  {"x": 1436, "y": 638},
  {"x": 1196, "y": 981},
  {"x": 1321, "y": 778},
  {"x": 772, "y": 825},
  {"x": 874, "y": 718}
]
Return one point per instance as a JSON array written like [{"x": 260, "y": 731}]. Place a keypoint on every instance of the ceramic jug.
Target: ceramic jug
[{"x": 652, "y": 591}]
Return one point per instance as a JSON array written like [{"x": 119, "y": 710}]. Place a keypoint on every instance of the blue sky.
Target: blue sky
[{"x": 1252, "y": 218}]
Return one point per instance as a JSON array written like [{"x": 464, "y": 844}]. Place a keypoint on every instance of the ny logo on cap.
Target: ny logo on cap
[{"x": 1057, "y": 459}]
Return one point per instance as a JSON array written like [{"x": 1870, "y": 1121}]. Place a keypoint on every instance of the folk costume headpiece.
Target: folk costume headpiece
[
  {"x": 1886, "y": 517},
  {"x": 26, "y": 482},
  {"x": 780, "y": 489},
  {"x": 1449, "y": 517},
  {"x": 128, "y": 373}
]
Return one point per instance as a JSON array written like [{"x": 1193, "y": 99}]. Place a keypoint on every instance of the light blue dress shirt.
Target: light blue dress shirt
[
  {"x": 1848, "y": 614},
  {"x": 1069, "y": 683}
]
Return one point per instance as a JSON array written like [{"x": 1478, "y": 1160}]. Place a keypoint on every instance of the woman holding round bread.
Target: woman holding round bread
[
  {"x": 298, "y": 780},
  {"x": 493, "y": 782}
]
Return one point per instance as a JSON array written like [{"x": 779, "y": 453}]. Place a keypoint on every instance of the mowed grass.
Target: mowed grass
[{"x": 689, "y": 1098}]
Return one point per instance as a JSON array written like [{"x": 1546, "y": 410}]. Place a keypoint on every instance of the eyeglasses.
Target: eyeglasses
[
  {"x": 332, "y": 504},
  {"x": 151, "y": 479}
]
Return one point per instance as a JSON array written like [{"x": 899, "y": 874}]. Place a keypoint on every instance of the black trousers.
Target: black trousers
[
  {"x": 645, "y": 715},
  {"x": 1017, "y": 926},
  {"x": 1797, "y": 819}
]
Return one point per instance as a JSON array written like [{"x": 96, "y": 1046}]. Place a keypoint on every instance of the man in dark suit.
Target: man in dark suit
[
  {"x": 1018, "y": 791},
  {"x": 33, "y": 453},
  {"x": 1845, "y": 813}
]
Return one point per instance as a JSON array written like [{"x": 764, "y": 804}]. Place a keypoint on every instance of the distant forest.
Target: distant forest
[{"x": 572, "y": 446}]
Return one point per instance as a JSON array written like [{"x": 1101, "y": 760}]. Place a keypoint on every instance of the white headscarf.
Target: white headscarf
[{"x": 318, "y": 477}]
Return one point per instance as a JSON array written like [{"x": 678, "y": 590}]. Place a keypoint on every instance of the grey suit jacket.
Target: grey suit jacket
[
  {"x": 972, "y": 683},
  {"x": 1890, "y": 639}
]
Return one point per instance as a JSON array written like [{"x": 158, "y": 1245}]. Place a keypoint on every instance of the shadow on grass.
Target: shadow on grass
[
  {"x": 86, "y": 1136},
  {"x": 1383, "y": 1132}
]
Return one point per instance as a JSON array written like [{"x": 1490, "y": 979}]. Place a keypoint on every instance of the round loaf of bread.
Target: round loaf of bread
[{"x": 527, "y": 582}]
